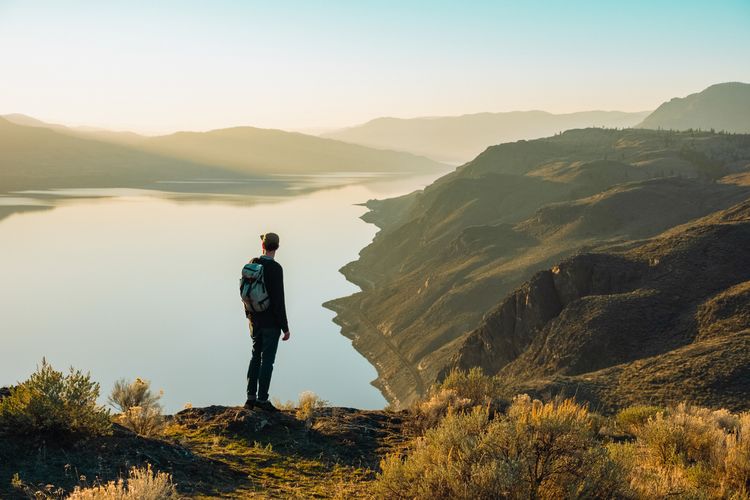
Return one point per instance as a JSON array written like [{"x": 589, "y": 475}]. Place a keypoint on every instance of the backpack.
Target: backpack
[{"x": 253, "y": 290}]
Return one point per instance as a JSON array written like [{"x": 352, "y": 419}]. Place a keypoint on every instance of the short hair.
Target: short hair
[{"x": 270, "y": 241}]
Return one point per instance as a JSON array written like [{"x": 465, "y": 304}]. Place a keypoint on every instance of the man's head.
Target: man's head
[{"x": 270, "y": 241}]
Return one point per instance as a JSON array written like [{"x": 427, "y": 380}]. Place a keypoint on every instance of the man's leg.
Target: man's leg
[
  {"x": 253, "y": 371},
  {"x": 270, "y": 344}
]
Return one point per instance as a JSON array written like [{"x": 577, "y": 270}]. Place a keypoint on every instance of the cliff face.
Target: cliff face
[
  {"x": 667, "y": 306},
  {"x": 448, "y": 255}
]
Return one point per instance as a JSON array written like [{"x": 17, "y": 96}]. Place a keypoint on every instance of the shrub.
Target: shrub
[
  {"x": 473, "y": 385},
  {"x": 308, "y": 404},
  {"x": 430, "y": 412},
  {"x": 458, "y": 392},
  {"x": 689, "y": 452},
  {"x": 536, "y": 450},
  {"x": 736, "y": 477},
  {"x": 630, "y": 419},
  {"x": 52, "y": 402},
  {"x": 140, "y": 410},
  {"x": 142, "y": 484}
]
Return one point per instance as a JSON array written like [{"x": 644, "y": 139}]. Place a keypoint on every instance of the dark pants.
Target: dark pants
[{"x": 265, "y": 343}]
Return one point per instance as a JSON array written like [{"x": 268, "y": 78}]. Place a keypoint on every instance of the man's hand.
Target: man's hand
[{"x": 286, "y": 336}]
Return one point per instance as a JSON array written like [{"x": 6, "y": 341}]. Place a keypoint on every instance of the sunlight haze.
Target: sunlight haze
[{"x": 166, "y": 66}]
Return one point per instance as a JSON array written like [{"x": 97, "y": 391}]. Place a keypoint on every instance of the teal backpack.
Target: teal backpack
[{"x": 253, "y": 288}]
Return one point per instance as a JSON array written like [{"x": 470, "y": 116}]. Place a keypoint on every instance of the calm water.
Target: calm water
[{"x": 143, "y": 285}]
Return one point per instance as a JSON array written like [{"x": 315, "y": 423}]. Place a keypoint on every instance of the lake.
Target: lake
[{"x": 140, "y": 283}]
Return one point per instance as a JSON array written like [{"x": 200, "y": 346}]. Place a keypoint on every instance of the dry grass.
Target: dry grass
[
  {"x": 308, "y": 405},
  {"x": 141, "y": 484}
]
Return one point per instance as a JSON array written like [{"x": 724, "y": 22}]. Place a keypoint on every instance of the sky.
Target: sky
[{"x": 160, "y": 66}]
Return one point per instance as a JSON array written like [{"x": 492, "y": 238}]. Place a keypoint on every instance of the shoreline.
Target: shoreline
[{"x": 367, "y": 339}]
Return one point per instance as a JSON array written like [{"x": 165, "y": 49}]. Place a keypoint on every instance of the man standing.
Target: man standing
[{"x": 266, "y": 326}]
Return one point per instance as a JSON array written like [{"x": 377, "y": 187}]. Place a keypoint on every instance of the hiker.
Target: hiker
[{"x": 265, "y": 308}]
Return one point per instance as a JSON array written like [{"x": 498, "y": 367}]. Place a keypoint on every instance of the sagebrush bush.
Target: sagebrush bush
[
  {"x": 141, "y": 484},
  {"x": 458, "y": 392},
  {"x": 429, "y": 412},
  {"x": 630, "y": 419},
  {"x": 736, "y": 471},
  {"x": 689, "y": 452},
  {"x": 535, "y": 450},
  {"x": 50, "y": 402},
  {"x": 139, "y": 408},
  {"x": 473, "y": 385}
]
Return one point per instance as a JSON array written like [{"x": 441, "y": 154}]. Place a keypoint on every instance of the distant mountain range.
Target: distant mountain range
[
  {"x": 445, "y": 281},
  {"x": 36, "y": 155},
  {"x": 458, "y": 139},
  {"x": 725, "y": 106}
]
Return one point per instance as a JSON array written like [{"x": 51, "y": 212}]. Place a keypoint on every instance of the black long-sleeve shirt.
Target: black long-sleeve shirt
[{"x": 274, "y": 316}]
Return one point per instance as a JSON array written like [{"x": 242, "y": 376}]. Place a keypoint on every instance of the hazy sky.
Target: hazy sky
[{"x": 166, "y": 65}]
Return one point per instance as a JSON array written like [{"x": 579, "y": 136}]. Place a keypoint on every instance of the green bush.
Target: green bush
[
  {"x": 52, "y": 402},
  {"x": 536, "y": 450},
  {"x": 630, "y": 419}
]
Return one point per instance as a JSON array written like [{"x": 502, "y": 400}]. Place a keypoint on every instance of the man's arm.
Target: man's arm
[{"x": 276, "y": 294}]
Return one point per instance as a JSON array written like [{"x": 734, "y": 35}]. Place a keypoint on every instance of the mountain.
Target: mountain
[
  {"x": 41, "y": 156},
  {"x": 725, "y": 106},
  {"x": 457, "y": 139},
  {"x": 119, "y": 137},
  {"x": 35, "y": 157},
  {"x": 452, "y": 253},
  {"x": 267, "y": 151}
]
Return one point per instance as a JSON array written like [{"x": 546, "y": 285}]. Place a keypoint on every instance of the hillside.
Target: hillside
[
  {"x": 725, "y": 106},
  {"x": 265, "y": 151},
  {"x": 458, "y": 139},
  {"x": 36, "y": 156},
  {"x": 660, "y": 323},
  {"x": 448, "y": 255}
]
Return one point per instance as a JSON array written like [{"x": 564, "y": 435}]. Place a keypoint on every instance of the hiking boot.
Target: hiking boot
[
  {"x": 250, "y": 404},
  {"x": 265, "y": 405}
]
